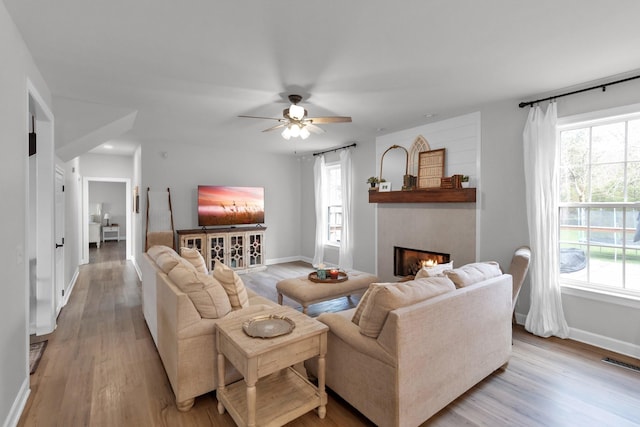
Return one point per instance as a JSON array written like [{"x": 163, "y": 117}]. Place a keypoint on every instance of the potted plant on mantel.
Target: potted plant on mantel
[
  {"x": 373, "y": 181},
  {"x": 465, "y": 181}
]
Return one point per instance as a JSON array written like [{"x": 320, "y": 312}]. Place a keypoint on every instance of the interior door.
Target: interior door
[{"x": 59, "y": 240}]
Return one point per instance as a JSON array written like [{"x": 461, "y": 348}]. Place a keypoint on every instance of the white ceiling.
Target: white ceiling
[{"x": 190, "y": 68}]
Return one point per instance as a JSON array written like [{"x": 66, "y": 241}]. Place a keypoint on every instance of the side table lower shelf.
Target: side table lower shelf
[{"x": 280, "y": 397}]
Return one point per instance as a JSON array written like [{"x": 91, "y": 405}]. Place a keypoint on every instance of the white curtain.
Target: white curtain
[
  {"x": 545, "y": 317},
  {"x": 321, "y": 212},
  {"x": 346, "y": 240}
]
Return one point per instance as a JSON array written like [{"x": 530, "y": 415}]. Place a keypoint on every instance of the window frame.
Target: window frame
[{"x": 592, "y": 119}]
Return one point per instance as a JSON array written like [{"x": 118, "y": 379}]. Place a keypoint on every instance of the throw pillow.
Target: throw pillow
[
  {"x": 232, "y": 284},
  {"x": 155, "y": 251},
  {"x": 473, "y": 273},
  {"x": 436, "y": 270},
  {"x": 206, "y": 293},
  {"x": 385, "y": 297},
  {"x": 168, "y": 260},
  {"x": 195, "y": 258},
  {"x": 361, "y": 305}
]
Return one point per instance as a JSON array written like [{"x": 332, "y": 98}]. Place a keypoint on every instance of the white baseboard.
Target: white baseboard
[
  {"x": 137, "y": 267},
  {"x": 18, "y": 404},
  {"x": 281, "y": 260},
  {"x": 70, "y": 287},
  {"x": 600, "y": 341},
  {"x": 622, "y": 347}
]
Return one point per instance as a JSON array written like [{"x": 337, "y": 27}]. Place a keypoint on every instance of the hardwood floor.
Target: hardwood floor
[{"x": 101, "y": 368}]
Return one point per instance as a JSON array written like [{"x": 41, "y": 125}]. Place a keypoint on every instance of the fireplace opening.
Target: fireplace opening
[{"x": 407, "y": 262}]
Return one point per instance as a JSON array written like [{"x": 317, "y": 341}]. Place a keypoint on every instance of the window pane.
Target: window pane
[
  {"x": 632, "y": 266},
  {"x": 605, "y": 250},
  {"x": 605, "y": 266},
  {"x": 573, "y": 225},
  {"x": 607, "y": 143},
  {"x": 632, "y": 236},
  {"x": 607, "y": 182},
  {"x": 573, "y": 235},
  {"x": 574, "y": 156},
  {"x": 633, "y": 140},
  {"x": 573, "y": 262},
  {"x": 335, "y": 224},
  {"x": 633, "y": 182}
]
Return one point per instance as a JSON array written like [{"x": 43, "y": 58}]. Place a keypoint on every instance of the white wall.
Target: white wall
[
  {"x": 17, "y": 67},
  {"x": 106, "y": 166},
  {"x": 183, "y": 167}
]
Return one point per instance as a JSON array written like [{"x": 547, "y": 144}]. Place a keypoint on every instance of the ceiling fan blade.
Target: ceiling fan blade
[
  {"x": 266, "y": 118},
  {"x": 281, "y": 125},
  {"x": 334, "y": 119},
  {"x": 313, "y": 128}
]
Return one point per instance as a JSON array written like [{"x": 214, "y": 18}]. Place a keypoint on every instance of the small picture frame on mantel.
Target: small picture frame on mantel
[{"x": 385, "y": 186}]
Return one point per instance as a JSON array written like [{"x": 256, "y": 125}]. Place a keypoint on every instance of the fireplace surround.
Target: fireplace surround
[{"x": 440, "y": 227}]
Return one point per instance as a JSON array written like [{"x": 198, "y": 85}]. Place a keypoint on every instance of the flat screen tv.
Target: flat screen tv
[{"x": 222, "y": 205}]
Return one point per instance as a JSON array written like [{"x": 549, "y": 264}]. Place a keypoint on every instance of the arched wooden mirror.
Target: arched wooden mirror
[{"x": 397, "y": 169}]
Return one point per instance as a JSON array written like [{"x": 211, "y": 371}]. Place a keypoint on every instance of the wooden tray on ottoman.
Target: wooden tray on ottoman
[{"x": 342, "y": 276}]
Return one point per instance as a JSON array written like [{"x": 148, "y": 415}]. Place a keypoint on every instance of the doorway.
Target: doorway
[
  {"x": 106, "y": 203},
  {"x": 39, "y": 235}
]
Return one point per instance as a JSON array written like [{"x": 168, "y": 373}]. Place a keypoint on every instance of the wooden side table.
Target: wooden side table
[{"x": 272, "y": 393}]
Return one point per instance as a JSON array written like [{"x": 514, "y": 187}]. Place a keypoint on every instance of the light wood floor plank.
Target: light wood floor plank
[{"x": 101, "y": 368}]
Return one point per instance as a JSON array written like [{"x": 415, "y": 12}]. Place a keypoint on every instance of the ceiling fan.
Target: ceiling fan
[{"x": 296, "y": 123}]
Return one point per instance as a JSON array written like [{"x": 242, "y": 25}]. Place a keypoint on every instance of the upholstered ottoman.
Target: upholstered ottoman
[{"x": 306, "y": 292}]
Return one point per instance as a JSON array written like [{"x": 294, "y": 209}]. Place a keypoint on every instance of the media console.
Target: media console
[{"x": 240, "y": 248}]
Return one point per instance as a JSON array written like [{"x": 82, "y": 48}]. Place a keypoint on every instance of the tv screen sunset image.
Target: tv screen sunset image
[{"x": 218, "y": 205}]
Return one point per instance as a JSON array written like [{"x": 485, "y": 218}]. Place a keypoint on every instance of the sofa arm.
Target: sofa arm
[{"x": 341, "y": 326}]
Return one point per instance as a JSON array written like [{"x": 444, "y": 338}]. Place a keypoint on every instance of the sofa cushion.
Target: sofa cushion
[
  {"x": 473, "y": 273},
  {"x": 436, "y": 270},
  {"x": 232, "y": 284},
  {"x": 195, "y": 258},
  {"x": 357, "y": 315},
  {"x": 385, "y": 297},
  {"x": 166, "y": 261},
  {"x": 206, "y": 293},
  {"x": 155, "y": 251}
]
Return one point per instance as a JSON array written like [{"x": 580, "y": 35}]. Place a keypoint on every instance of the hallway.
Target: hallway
[{"x": 100, "y": 365}]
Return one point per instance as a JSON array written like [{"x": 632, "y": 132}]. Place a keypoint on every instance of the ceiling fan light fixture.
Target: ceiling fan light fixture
[
  {"x": 286, "y": 133},
  {"x": 295, "y": 130},
  {"x": 304, "y": 133},
  {"x": 296, "y": 112}
]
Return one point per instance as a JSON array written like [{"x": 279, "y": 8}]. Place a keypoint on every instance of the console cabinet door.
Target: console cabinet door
[
  {"x": 193, "y": 241},
  {"x": 216, "y": 248},
  {"x": 255, "y": 249},
  {"x": 236, "y": 258}
]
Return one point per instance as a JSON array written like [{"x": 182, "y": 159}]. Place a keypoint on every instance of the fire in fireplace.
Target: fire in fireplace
[{"x": 407, "y": 262}]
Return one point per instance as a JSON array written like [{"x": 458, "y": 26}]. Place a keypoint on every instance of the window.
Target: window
[
  {"x": 334, "y": 197},
  {"x": 599, "y": 209}
]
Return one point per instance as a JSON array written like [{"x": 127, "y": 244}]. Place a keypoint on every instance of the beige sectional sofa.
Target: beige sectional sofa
[
  {"x": 184, "y": 338},
  {"x": 408, "y": 363}
]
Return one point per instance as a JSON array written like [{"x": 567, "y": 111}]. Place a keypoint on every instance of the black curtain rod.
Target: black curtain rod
[
  {"x": 335, "y": 149},
  {"x": 601, "y": 86}
]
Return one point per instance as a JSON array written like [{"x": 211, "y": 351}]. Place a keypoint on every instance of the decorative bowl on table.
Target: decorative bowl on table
[{"x": 268, "y": 326}]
